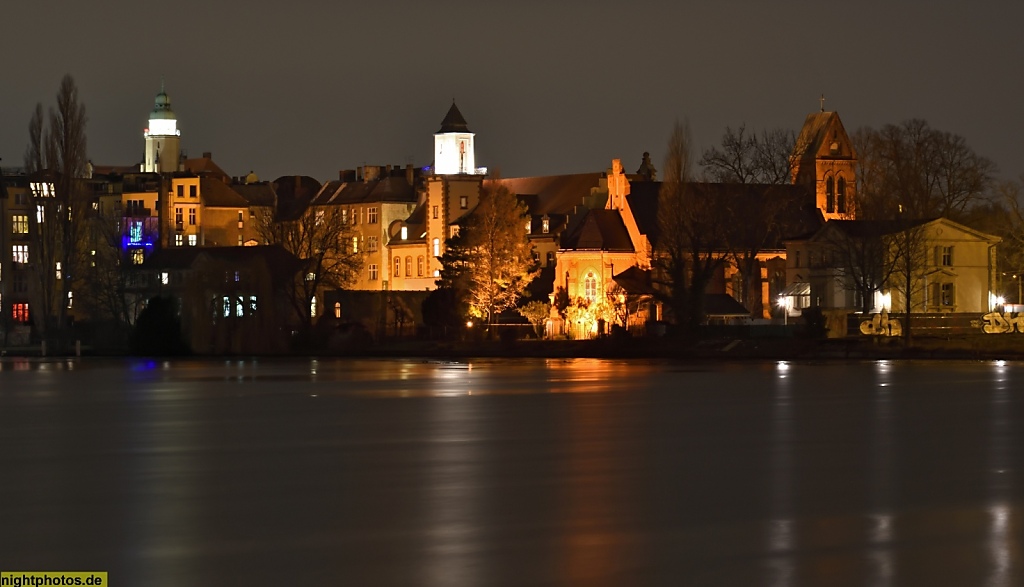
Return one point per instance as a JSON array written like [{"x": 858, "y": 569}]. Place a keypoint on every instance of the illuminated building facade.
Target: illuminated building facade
[{"x": 163, "y": 139}]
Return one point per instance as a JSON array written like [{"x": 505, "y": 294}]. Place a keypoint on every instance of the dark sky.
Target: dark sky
[{"x": 311, "y": 87}]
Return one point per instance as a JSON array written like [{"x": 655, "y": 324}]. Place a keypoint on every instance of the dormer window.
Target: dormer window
[
  {"x": 529, "y": 226},
  {"x": 545, "y": 225}
]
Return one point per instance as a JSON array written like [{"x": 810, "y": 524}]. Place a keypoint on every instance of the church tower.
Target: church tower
[
  {"x": 453, "y": 145},
  {"x": 163, "y": 139},
  {"x": 825, "y": 161}
]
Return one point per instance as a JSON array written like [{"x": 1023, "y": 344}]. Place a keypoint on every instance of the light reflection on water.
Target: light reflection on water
[{"x": 783, "y": 473}]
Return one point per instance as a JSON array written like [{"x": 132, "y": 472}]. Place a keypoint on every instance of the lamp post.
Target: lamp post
[{"x": 784, "y": 304}]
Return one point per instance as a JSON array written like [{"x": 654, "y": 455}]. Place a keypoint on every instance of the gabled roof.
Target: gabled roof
[
  {"x": 453, "y": 121},
  {"x": 723, "y": 305},
  {"x": 218, "y": 194},
  {"x": 386, "y": 189},
  {"x": 204, "y": 166},
  {"x": 635, "y": 281},
  {"x": 599, "y": 230},
  {"x": 820, "y": 129}
]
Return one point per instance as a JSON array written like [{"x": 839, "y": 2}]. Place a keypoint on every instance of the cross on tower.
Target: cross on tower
[{"x": 822, "y": 99}]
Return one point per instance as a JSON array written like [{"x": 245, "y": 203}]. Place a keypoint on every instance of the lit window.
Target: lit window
[
  {"x": 59, "y": 273},
  {"x": 408, "y": 266},
  {"x": 165, "y": 278},
  {"x": 545, "y": 226},
  {"x": 252, "y": 305},
  {"x": 239, "y": 308},
  {"x": 227, "y": 306},
  {"x": 355, "y": 244},
  {"x": 529, "y": 226},
  {"x": 405, "y": 233},
  {"x": 310, "y": 276},
  {"x": 312, "y": 307},
  {"x": 590, "y": 287},
  {"x": 239, "y": 240},
  {"x": 238, "y": 276},
  {"x": 337, "y": 309},
  {"x": 344, "y": 215},
  {"x": 192, "y": 240},
  {"x": 71, "y": 299},
  {"x": 19, "y": 253},
  {"x": 19, "y": 312},
  {"x": 20, "y": 224},
  {"x": 437, "y": 247},
  {"x": 138, "y": 256}
]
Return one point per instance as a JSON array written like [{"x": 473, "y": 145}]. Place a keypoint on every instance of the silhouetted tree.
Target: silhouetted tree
[{"x": 56, "y": 161}]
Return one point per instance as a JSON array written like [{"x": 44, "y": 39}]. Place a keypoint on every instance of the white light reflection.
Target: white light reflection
[
  {"x": 783, "y": 368},
  {"x": 999, "y": 545}
]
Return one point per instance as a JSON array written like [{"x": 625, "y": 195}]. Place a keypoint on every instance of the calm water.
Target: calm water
[{"x": 526, "y": 472}]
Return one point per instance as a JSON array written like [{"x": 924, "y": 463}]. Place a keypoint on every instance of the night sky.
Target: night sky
[{"x": 311, "y": 87}]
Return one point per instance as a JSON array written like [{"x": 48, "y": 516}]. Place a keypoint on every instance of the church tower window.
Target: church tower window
[
  {"x": 841, "y": 195},
  {"x": 830, "y": 196}
]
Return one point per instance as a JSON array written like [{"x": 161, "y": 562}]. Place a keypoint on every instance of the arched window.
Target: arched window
[
  {"x": 830, "y": 195},
  {"x": 590, "y": 287},
  {"x": 312, "y": 307},
  {"x": 398, "y": 267},
  {"x": 841, "y": 195},
  {"x": 419, "y": 266},
  {"x": 337, "y": 309},
  {"x": 408, "y": 266}
]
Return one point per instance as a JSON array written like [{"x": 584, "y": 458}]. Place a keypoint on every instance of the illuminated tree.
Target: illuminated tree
[
  {"x": 491, "y": 259},
  {"x": 56, "y": 161},
  {"x": 537, "y": 312}
]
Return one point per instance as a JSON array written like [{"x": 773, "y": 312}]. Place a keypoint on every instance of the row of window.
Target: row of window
[
  {"x": 191, "y": 191},
  {"x": 420, "y": 266},
  {"x": 179, "y": 216},
  {"x": 545, "y": 226},
  {"x": 353, "y": 215},
  {"x": 943, "y": 257}
]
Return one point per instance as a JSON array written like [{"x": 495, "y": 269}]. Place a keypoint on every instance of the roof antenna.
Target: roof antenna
[{"x": 822, "y": 102}]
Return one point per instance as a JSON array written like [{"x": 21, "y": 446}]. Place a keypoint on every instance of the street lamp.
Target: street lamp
[{"x": 784, "y": 304}]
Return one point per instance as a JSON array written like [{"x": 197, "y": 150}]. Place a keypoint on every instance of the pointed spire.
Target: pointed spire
[{"x": 453, "y": 121}]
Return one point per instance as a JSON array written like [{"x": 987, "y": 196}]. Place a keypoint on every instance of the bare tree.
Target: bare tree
[
  {"x": 908, "y": 251},
  {"x": 690, "y": 238},
  {"x": 918, "y": 171},
  {"x": 56, "y": 161},
  {"x": 750, "y": 157},
  {"x": 321, "y": 239}
]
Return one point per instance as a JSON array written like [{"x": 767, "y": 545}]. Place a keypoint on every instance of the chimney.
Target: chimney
[
  {"x": 347, "y": 175},
  {"x": 410, "y": 174}
]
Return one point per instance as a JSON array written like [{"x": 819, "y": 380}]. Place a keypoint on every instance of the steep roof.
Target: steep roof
[
  {"x": 723, "y": 305},
  {"x": 204, "y": 166},
  {"x": 393, "y": 188},
  {"x": 218, "y": 194},
  {"x": 599, "y": 230},
  {"x": 453, "y": 121},
  {"x": 820, "y": 129}
]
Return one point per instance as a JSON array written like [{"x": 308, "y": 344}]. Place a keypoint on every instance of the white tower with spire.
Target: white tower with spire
[
  {"x": 163, "y": 139},
  {"x": 453, "y": 145}
]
